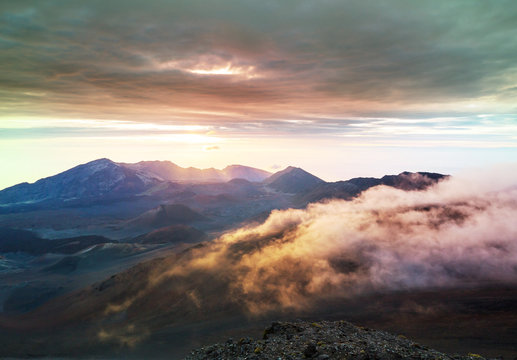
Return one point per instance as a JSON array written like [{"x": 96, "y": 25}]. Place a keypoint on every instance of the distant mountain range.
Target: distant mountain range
[
  {"x": 83, "y": 253},
  {"x": 166, "y": 170},
  {"x": 350, "y": 188},
  {"x": 108, "y": 179},
  {"x": 104, "y": 181}
]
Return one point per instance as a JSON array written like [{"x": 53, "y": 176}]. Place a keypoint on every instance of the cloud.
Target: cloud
[
  {"x": 351, "y": 57},
  {"x": 128, "y": 336},
  {"x": 459, "y": 233}
]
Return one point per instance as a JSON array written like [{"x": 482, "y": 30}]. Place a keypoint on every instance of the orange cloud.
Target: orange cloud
[{"x": 458, "y": 233}]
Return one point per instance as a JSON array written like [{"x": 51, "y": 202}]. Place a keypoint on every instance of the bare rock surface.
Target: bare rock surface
[{"x": 322, "y": 340}]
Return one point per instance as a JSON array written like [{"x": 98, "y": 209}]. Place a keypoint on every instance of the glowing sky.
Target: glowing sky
[{"x": 340, "y": 88}]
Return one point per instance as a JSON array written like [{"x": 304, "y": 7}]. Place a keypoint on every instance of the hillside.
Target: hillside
[
  {"x": 166, "y": 215},
  {"x": 14, "y": 240},
  {"x": 172, "y": 234}
]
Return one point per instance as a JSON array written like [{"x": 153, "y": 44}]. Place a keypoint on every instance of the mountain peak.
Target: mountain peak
[
  {"x": 98, "y": 164},
  {"x": 155, "y": 162},
  {"x": 245, "y": 172},
  {"x": 166, "y": 215},
  {"x": 101, "y": 160},
  {"x": 294, "y": 169},
  {"x": 101, "y": 177},
  {"x": 234, "y": 166},
  {"x": 293, "y": 180},
  {"x": 169, "y": 171},
  {"x": 290, "y": 170}
]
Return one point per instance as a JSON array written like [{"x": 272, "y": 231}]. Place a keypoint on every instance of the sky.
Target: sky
[{"x": 339, "y": 88}]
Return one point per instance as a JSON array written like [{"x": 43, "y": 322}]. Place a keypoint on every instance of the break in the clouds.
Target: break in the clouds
[{"x": 256, "y": 61}]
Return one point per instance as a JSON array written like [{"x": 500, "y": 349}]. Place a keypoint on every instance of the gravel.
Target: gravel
[{"x": 322, "y": 340}]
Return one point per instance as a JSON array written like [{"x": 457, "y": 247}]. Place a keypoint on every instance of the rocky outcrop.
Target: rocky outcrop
[{"x": 322, "y": 340}]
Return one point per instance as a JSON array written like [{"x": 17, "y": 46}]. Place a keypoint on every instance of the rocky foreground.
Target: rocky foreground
[{"x": 322, "y": 340}]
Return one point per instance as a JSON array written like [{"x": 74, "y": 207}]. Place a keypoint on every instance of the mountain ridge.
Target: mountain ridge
[
  {"x": 150, "y": 183},
  {"x": 95, "y": 178},
  {"x": 104, "y": 177},
  {"x": 346, "y": 189}
]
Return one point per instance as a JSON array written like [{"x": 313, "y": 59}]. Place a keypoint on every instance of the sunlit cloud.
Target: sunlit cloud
[
  {"x": 164, "y": 138},
  {"x": 456, "y": 234},
  {"x": 186, "y": 138},
  {"x": 26, "y": 123},
  {"x": 209, "y": 65},
  {"x": 247, "y": 72}
]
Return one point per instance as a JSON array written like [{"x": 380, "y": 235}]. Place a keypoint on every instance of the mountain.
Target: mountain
[
  {"x": 412, "y": 181},
  {"x": 169, "y": 171},
  {"x": 245, "y": 172},
  {"x": 353, "y": 187},
  {"x": 293, "y": 180},
  {"x": 109, "y": 180},
  {"x": 170, "y": 302},
  {"x": 166, "y": 215},
  {"x": 172, "y": 234},
  {"x": 107, "y": 198},
  {"x": 97, "y": 178}
]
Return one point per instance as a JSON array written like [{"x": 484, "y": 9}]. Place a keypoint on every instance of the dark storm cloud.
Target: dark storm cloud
[{"x": 120, "y": 57}]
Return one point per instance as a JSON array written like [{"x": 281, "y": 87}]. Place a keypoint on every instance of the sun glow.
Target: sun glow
[
  {"x": 228, "y": 69},
  {"x": 28, "y": 123},
  {"x": 210, "y": 65},
  {"x": 216, "y": 71}
]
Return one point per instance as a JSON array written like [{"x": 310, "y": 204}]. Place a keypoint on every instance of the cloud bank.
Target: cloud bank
[{"x": 459, "y": 233}]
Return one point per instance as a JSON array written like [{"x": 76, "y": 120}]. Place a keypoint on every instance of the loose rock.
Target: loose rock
[{"x": 322, "y": 340}]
